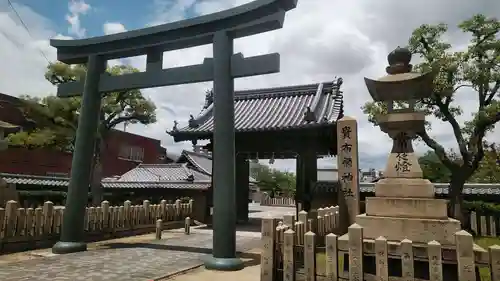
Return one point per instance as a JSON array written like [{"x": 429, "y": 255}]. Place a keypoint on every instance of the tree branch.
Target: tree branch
[
  {"x": 121, "y": 119},
  {"x": 492, "y": 93},
  {"x": 478, "y": 136},
  {"x": 457, "y": 131},
  {"x": 461, "y": 86},
  {"x": 439, "y": 150}
]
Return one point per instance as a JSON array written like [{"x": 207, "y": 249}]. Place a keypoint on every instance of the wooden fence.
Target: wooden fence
[
  {"x": 312, "y": 251},
  {"x": 266, "y": 200},
  {"x": 20, "y": 225}
]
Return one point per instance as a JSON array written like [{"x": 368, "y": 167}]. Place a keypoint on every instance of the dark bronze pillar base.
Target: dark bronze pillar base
[
  {"x": 224, "y": 264},
  {"x": 69, "y": 247}
]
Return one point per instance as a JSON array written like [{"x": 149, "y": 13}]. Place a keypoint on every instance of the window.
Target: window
[{"x": 133, "y": 153}]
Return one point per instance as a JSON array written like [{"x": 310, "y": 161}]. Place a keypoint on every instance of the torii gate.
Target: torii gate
[{"x": 220, "y": 29}]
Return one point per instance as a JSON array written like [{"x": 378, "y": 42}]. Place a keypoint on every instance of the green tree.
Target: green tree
[
  {"x": 489, "y": 168},
  {"x": 487, "y": 172},
  {"x": 59, "y": 116},
  {"x": 478, "y": 70},
  {"x": 433, "y": 169},
  {"x": 273, "y": 181}
]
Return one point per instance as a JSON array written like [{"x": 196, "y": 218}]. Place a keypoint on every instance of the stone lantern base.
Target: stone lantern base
[{"x": 405, "y": 208}]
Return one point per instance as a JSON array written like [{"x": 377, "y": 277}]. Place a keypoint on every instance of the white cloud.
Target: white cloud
[
  {"x": 76, "y": 8},
  {"x": 321, "y": 39},
  {"x": 23, "y": 66},
  {"x": 113, "y": 27}
]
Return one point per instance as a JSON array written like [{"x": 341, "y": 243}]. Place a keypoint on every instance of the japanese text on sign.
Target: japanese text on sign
[{"x": 402, "y": 163}]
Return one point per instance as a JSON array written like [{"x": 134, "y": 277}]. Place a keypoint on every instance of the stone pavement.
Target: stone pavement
[
  {"x": 137, "y": 261},
  {"x": 122, "y": 262}
]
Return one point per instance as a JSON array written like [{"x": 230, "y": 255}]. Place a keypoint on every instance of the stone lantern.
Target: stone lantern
[{"x": 404, "y": 207}]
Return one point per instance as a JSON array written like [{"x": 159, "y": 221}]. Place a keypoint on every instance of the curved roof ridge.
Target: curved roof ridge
[
  {"x": 281, "y": 91},
  {"x": 262, "y": 110},
  {"x": 159, "y": 165}
]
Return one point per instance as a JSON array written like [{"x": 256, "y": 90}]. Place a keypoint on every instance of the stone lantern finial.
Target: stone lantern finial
[{"x": 399, "y": 61}]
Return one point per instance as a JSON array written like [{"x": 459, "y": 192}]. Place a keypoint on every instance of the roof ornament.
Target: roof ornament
[
  {"x": 309, "y": 115},
  {"x": 337, "y": 85},
  {"x": 192, "y": 122},
  {"x": 339, "y": 82},
  {"x": 256, "y": 159},
  {"x": 271, "y": 160},
  {"x": 190, "y": 178},
  {"x": 209, "y": 98},
  {"x": 174, "y": 129}
]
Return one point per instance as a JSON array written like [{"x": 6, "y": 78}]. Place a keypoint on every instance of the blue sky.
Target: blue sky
[
  {"x": 133, "y": 14},
  {"x": 321, "y": 40}
]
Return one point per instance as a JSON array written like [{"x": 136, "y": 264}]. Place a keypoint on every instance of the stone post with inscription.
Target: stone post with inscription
[
  {"x": 347, "y": 165},
  {"x": 404, "y": 209}
]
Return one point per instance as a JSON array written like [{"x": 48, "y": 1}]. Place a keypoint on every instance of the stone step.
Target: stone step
[
  {"x": 406, "y": 207},
  {"x": 413, "y": 188},
  {"x": 414, "y": 229}
]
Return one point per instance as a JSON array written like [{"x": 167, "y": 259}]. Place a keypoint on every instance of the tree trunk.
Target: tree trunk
[
  {"x": 458, "y": 179},
  {"x": 95, "y": 186}
]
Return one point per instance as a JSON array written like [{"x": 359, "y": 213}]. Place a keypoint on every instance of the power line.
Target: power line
[{"x": 26, "y": 28}]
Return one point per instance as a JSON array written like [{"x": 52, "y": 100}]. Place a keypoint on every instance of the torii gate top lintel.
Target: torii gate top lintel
[{"x": 252, "y": 18}]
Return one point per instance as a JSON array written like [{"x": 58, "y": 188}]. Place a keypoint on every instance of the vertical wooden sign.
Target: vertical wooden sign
[{"x": 347, "y": 164}]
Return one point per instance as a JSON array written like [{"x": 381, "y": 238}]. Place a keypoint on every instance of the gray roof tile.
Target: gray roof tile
[
  {"x": 35, "y": 180},
  {"x": 166, "y": 185},
  {"x": 203, "y": 162},
  {"x": 275, "y": 109},
  {"x": 162, "y": 173},
  {"x": 173, "y": 175},
  {"x": 441, "y": 188}
]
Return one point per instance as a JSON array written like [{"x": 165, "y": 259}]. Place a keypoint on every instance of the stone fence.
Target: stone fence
[
  {"x": 273, "y": 235},
  {"x": 31, "y": 228},
  {"x": 312, "y": 250},
  {"x": 484, "y": 226}
]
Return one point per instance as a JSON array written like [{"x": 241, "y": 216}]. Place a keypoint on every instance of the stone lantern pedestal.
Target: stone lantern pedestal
[{"x": 404, "y": 207}]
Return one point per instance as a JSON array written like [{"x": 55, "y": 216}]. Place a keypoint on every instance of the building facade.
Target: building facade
[{"x": 123, "y": 152}]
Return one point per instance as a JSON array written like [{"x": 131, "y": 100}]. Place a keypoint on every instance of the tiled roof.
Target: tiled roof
[
  {"x": 34, "y": 180},
  {"x": 203, "y": 162},
  {"x": 166, "y": 185},
  {"x": 274, "y": 109},
  {"x": 441, "y": 188},
  {"x": 175, "y": 175}
]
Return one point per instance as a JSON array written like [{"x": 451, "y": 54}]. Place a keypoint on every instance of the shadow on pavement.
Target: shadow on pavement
[
  {"x": 253, "y": 225},
  {"x": 251, "y": 259}
]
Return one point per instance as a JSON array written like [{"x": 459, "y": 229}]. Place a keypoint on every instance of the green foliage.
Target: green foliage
[
  {"x": 57, "y": 118},
  {"x": 487, "y": 172},
  {"x": 433, "y": 169},
  {"x": 273, "y": 181},
  {"x": 476, "y": 69},
  {"x": 482, "y": 208},
  {"x": 489, "y": 168}
]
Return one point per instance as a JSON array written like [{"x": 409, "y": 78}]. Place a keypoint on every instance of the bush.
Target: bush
[{"x": 483, "y": 208}]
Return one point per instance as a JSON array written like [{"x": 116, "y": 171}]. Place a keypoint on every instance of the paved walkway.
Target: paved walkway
[
  {"x": 139, "y": 261},
  {"x": 121, "y": 262}
]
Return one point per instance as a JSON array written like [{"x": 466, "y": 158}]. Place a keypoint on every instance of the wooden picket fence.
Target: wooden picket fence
[
  {"x": 266, "y": 200},
  {"x": 310, "y": 250},
  {"x": 44, "y": 223}
]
